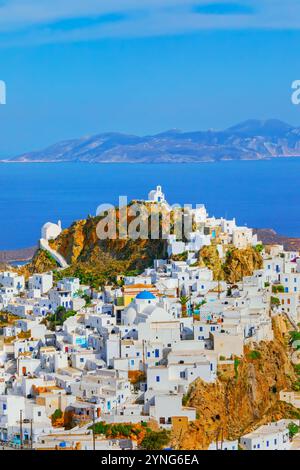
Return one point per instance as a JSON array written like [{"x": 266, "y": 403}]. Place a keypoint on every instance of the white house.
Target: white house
[
  {"x": 167, "y": 406},
  {"x": 42, "y": 282},
  {"x": 13, "y": 280},
  {"x": 272, "y": 436}
]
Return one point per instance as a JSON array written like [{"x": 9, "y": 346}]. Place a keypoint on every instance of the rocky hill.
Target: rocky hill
[
  {"x": 238, "y": 262},
  {"x": 250, "y": 140},
  {"x": 245, "y": 395},
  {"x": 97, "y": 261}
]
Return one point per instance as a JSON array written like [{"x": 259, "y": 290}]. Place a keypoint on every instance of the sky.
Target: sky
[{"x": 81, "y": 67}]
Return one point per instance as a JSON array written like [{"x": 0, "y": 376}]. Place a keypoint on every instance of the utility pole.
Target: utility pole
[
  {"x": 94, "y": 437},
  {"x": 21, "y": 429},
  {"x": 31, "y": 434},
  {"x": 143, "y": 344}
]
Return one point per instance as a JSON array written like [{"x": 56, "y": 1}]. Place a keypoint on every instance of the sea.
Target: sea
[{"x": 262, "y": 194}]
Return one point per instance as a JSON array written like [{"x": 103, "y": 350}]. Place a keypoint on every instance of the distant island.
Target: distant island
[
  {"x": 22, "y": 254},
  {"x": 250, "y": 140}
]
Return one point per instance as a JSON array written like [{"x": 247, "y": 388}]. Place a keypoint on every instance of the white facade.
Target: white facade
[
  {"x": 273, "y": 436},
  {"x": 51, "y": 231}
]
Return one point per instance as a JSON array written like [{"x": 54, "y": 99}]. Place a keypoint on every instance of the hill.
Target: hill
[{"x": 249, "y": 140}]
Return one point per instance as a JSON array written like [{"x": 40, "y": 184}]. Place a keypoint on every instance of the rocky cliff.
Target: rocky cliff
[
  {"x": 238, "y": 262},
  {"x": 245, "y": 395},
  {"x": 98, "y": 261}
]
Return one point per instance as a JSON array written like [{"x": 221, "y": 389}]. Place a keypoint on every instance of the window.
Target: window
[
  {"x": 157, "y": 378},
  {"x": 267, "y": 443},
  {"x": 182, "y": 375}
]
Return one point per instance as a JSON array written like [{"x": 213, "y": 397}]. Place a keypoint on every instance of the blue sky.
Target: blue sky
[{"x": 79, "y": 67}]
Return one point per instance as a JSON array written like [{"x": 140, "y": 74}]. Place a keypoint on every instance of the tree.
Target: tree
[
  {"x": 275, "y": 301},
  {"x": 60, "y": 314},
  {"x": 277, "y": 288},
  {"x": 155, "y": 440},
  {"x": 183, "y": 301}
]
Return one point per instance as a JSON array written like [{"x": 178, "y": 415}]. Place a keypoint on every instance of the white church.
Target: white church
[{"x": 51, "y": 231}]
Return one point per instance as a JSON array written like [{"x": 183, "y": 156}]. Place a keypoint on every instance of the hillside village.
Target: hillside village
[{"x": 115, "y": 367}]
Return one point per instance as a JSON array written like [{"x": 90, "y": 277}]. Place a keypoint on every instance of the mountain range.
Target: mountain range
[{"x": 249, "y": 140}]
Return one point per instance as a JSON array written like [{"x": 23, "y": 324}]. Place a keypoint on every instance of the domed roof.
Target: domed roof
[{"x": 145, "y": 295}]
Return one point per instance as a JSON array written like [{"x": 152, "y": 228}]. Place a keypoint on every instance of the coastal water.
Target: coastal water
[{"x": 263, "y": 194}]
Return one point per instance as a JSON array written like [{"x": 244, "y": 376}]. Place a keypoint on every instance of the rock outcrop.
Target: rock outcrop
[
  {"x": 237, "y": 264},
  {"x": 245, "y": 395}
]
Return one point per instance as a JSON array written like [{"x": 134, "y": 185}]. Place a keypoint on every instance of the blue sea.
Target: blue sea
[{"x": 263, "y": 194}]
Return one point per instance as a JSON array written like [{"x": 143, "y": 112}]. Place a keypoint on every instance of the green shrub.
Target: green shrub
[
  {"x": 275, "y": 301},
  {"x": 277, "y": 288},
  {"x": 155, "y": 440},
  {"x": 254, "y": 354},
  {"x": 57, "y": 414},
  {"x": 293, "y": 429},
  {"x": 236, "y": 367},
  {"x": 259, "y": 247}
]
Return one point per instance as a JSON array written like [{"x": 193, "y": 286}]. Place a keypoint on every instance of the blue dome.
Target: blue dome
[{"x": 145, "y": 295}]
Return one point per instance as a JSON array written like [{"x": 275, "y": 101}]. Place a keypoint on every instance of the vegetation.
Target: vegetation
[
  {"x": 58, "y": 414},
  {"x": 275, "y": 301},
  {"x": 254, "y": 354},
  {"x": 293, "y": 429},
  {"x": 59, "y": 317},
  {"x": 277, "y": 289},
  {"x": 122, "y": 430},
  {"x": 183, "y": 301},
  {"x": 295, "y": 336},
  {"x": 180, "y": 257},
  {"x": 186, "y": 397},
  {"x": 236, "y": 368},
  {"x": 296, "y": 385},
  {"x": 155, "y": 440},
  {"x": 259, "y": 247}
]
